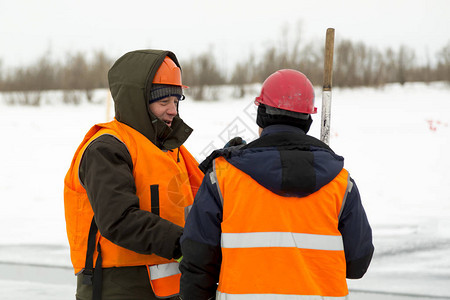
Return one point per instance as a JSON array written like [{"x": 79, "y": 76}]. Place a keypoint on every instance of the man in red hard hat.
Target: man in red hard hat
[
  {"x": 130, "y": 185},
  {"x": 280, "y": 217}
]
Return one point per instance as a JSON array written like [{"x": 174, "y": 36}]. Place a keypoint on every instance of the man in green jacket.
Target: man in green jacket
[{"x": 124, "y": 213}]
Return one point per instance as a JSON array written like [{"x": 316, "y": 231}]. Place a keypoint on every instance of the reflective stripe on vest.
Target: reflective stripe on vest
[
  {"x": 164, "y": 270},
  {"x": 282, "y": 239},
  {"x": 213, "y": 178},
  {"x": 225, "y": 296},
  {"x": 187, "y": 210},
  {"x": 165, "y": 279}
]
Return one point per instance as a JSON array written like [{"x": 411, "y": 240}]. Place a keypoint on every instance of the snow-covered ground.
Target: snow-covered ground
[{"x": 396, "y": 142}]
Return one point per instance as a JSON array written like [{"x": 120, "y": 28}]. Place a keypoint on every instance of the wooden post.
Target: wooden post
[
  {"x": 108, "y": 106},
  {"x": 327, "y": 83}
]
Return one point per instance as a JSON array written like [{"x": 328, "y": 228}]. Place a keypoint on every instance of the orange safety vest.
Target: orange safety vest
[
  {"x": 156, "y": 173},
  {"x": 276, "y": 247}
]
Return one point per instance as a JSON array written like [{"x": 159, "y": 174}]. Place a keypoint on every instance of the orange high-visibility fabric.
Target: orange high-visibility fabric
[
  {"x": 178, "y": 183},
  {"x": 250, "y": 208},
  {"x": 165, "y": 279},
  {"x": 167, "y": 286}
]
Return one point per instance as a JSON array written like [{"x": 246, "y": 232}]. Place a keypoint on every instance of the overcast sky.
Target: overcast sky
[{"x": 231, "y": 28}]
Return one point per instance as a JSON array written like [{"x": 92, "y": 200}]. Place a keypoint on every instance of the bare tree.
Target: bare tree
[
  {"x": 42, "y": 75},
  {"x": 2, "y": 75},
  {"x": 443, "y": 67},
  {"x": 405, "y": 62},
  {"x": 310, "y": 62},
  {"x": 355, "y": 64},
  {"x": 74, "y": 75},
  {"x": 345, "y": 73},
  {"x": 98, "y": 70},
  {"x": 243, "y": 74},
  {"x": 202, "y": 71}
]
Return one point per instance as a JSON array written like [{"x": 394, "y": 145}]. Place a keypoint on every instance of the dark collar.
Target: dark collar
[{"x": 281, "y": 128}]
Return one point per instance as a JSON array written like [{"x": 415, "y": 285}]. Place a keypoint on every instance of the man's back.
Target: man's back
[{"x": 283, "y": 203}]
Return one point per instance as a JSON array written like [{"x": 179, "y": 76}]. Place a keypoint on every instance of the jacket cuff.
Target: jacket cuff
[
  {"x": 177, "y": 251},
  {"x": 357, "y": 268}
]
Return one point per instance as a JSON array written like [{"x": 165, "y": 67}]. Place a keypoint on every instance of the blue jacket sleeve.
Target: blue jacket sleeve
[
  {"x": 357, "y": 235},
  {"x": 200, "y": 244}
]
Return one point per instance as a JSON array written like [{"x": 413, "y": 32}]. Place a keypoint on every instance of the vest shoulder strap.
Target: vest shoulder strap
[{"x": 91, "y": 276}]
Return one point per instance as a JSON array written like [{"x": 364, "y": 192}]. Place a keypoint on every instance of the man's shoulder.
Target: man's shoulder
[
  {"x": 105, "y": 141},
  {"x": 106, "y": 145}
]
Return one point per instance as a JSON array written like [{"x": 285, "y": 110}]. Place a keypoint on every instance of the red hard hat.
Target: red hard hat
[{"x": 289, "y": 90}]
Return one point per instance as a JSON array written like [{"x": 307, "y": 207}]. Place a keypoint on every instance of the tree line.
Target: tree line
[{"x": 355, "y": 64}]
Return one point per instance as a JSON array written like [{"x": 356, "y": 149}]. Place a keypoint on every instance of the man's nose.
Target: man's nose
[{"x": 173, "y": 109}]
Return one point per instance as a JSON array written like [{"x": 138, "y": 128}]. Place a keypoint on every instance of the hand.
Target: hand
[{"x": 236, "y": 141}]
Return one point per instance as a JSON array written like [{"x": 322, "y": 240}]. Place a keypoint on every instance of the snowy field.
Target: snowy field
[{"x": 396, "y": 142}]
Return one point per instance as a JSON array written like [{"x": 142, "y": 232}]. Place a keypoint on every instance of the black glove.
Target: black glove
[
  {"x": 236, "y": 141},
  {"x": 233, "y": 145}
]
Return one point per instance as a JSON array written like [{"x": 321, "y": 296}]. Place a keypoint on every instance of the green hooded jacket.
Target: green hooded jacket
[{"x": 130, "y": 81}]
